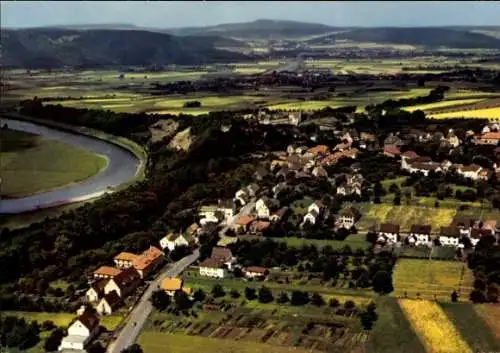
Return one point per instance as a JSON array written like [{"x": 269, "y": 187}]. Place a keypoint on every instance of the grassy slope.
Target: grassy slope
[{"x": 30, "y": 164}]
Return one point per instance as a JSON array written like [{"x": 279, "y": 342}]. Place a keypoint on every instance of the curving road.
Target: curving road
[{"x": 122, "y": 167}]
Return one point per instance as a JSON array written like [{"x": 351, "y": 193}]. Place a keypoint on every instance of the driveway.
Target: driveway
[
  {"x": 139, "y": 315},
  {"x": 122, "y": 167}
]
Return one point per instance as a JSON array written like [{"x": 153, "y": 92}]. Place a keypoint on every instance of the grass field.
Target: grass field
[
  {"x": 431, "y": 279},
  {"x": 490, "y": 313},
  {"x": 30, "y": 164},
  {"x": 354, "y": 241},
  {"x": 433, "y": 327},
  {"x": 491, "y": 113},
  {"x": 472, "y": 327},
  {"x": 443, "y": 104},
  {"x": 405, "y": 216},
  {"x": 156, "y": 342},
  {"x": 63, "y": 319}
]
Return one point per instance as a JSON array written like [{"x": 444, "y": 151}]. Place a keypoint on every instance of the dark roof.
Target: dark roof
[
  {"x": 420, "y": 229},
  {"x": 257, "y": 269},
  {"x": 98, "y": 286},
  {"x": 212, "y": 263},
  {"x": 226, "y": 204},
  {"x": 89, "y": 320},
  {"x": 113, "y": 299},
  {"x": 466, "y": 221},
  {"x": 127, "y": 277},
  {"x": 389, "y": 228},
  {"x": 221, "y": 253},
  {"x": 450, "y": 232},
  {"x": 282, "y": 211},
  {"x": 351, "y": 212}
]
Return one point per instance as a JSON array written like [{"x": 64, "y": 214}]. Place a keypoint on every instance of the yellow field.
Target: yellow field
[
  {"x": 433, "y": 327},
  {"x": 443, "y": 104},
  {"x": 491, "y": 113},
  {"x": 431, "y": 279}
]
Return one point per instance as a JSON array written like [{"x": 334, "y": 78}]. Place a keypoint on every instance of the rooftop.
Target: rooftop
[
  {"x": 126, "y": 256},
  {"x": 107, "y": 271}
]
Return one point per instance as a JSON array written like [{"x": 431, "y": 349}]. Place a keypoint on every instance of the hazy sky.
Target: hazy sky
[{"x": 181, "y": 14}]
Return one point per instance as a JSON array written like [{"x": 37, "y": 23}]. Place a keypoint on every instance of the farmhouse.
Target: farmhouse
[
  {"x": 148, "y": 261},
  {"x": 212, "y": 268},
  {"x": 389, "y": 232},
  {"x": 124, "y": 283},
  {"x": 255, "y": 271},
  {"x": 81, "y": 332},
  {"x": 124, "y": 259},
  {"x": 348, "y": 217},
  {"x": 242, "y": 223},
  {"x": 106, "y": 272},
  {"x": 109, "y": 303},
  {"x": 449, "y": 236},
  {"x": 96, "y": 291},
  {"x": 420, "y": 235}
]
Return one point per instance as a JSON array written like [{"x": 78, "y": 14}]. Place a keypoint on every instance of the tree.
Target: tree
[
  {"x": 135, "y": 348},
  {"x": 234, "y": 294},
  {"x": 250, "y": 293},
  {"x": 199, "y": 295},
  {"x": 160, "y": 299},
  {"x": 476, "y": 296},
  {"x": 265, "y": 295},
  {"x": 299, "y": 298},
  {"x": 397, "y": 200},
  {"x": 382, "y": 282},
  {"x": 349, "y": 305},
  {"x": 52, "y": 342},
  {"x": 333, "y": 303},
  {"x": 317, "y": 300},
  {"x": 182, "y": 301},
  {"x": 218, "y": 291},
  {"x": 283, "y": 298},
  {"x": 454, "y": 296}
]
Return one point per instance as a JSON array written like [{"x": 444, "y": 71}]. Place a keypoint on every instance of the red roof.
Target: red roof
[
  {"x": 392, "y": 150},
  {"x": 244, "y": 220},
  {"x": 256, "y": 269},
  {"x": 411, "y": 154}
]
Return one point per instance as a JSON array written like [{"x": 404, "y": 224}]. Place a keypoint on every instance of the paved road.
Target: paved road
[
  {"x": 122, "y": 167},
  {"x": 139, "y": 315}
]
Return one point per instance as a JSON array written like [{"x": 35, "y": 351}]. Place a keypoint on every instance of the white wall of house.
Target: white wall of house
[
  {"x": 390, "y": 237},
  {"x": 78, "y": 329},
  {"x": 103, "y": 308},
  {"x": 91, "y": 295},
  {"x": 309, "y": 218},
  {"x": 420, "y": 239},
  {"x": 112, "y": 286},
  {"x": 212, "y": 272},
  {"x": 448, "y": 241},
  {"x": 313, "y": 206},
  {"x": 346, "y": 222}
]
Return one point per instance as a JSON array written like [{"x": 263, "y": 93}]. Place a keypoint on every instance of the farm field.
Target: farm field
[
  {"x": 490, "y": 313},
  {"x": 405, "y": 216},
  {"x": 431, "y": 279},
  {"x": 443, "y": 104},
  {"x": 63, "y": 319},
  {"x": 433, "y": 327},
  {"x": 473, "y": 328},
  {"x": 488, "y": 113},
  {"x": 353, "y": 240},
  {"x": 30, "y": 164}
]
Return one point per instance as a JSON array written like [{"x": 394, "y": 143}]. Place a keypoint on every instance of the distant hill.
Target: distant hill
[
  {"x": 53, "y": 48},
  {"x": 260, "y": 29},
  {"x": 431, "y": 37}
]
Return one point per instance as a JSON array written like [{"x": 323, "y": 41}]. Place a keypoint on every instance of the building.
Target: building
[
  {"x": 81, "y": 332},
  {"x": 391, "y": 151},
  {"x": 124, "y": 259},
  {"x": 228, "y": 208},
  {"x": 262, "y": 206},
  {"x": 472, "y": 171},
  {"x": 348, "y": 217},
  {"x": 318, "y": 150},
  {"x": 420, "y": 235},
  {"x": 488, "y": 138},
  {"x": 319, "y": 172},
  {"x": 242, "y": 223},
  {"x": 255, "y": 271},
  {"x": 96, "y": 291},
  {"x": 257, "y": 227},
  {"x": 223, "y": 254},
  {"x": 106, "y": 272},
  {"x": 213, "y": 268},
  {"x": 449, "y": 236},
  {"x": 174, "y": 240},
  {"x": 171, "y": 285},
  {"x": 148, "y": 261},
  {"x": 279, "y": 215},
  {"x": 124, "y": 283},
  {"x": 390, "y": 232},
  {"x": 109, "y": 303}
]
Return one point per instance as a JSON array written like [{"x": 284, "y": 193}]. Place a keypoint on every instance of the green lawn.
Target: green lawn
[
  {"x": 31, "y": 164},
  {"x": 157, "y": 342},
  {"x": 353, "y": 240},
  {"x": 63, "y": 319},
  {"x": 471, "y": 326}
]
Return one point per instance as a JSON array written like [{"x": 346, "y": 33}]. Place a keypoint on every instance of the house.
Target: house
[
  {"x": 253, "y": 189},
  {"x": 352, "y": 185},
  {"x": 365, "y": 136},
  {"x": 171, "y": 285},
  {"x": 449, "y": 236},
  {"x": 490, "y": 225},
  {"x": 213, "y": 268},
  {"x": 348, "y": 217},
  {"x": 318, "y": 150},
  {"x": 124, "y": 283},
  {"x": 263, "y": 208},
  {"x": 207, "y": 211},
  {"x": 452, "y": 140},
  {"x": 124, "y": 259},
  {"x": 259, "y": 226},
  {"x": 311, "y": 217},
  {"x": 278, "y": 188},
  {"x": 295, "y": 118},
  {"x": 317, "y": 206},
  {"x": 420, "y": 235},
  {"x": 393, "y": 141},
  {"x": 109, "y": 303},
  {"x": 174, "y": 240},
  {"x": 390, "y": 232},
  {"x": 242, "y": 223},
  {"x": 255, "y": 271},
  {"x": 223, "y": 254},
  {"x": 193, "y": 230},
  {"x": 242, "y": 196},
  {"x": 409, "y": 154},
  {"x": 227, "y": 207},
  {"x": 106, "y": 272},
  {"x": 148, "y": 261},
  {"x": 391, "y": 151},
  {"x": 488, "y": 138},
  {"x": 96, "y": 291},
  {"x": 81, "y": 332},
  {"x": 279, "y": 215},
  {"x": 216, "y": 218},
  {"x": 471, "y": 171}
]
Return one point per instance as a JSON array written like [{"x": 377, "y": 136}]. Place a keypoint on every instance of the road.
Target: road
[
  {"x": 122, "y": 167},
  {"x": 139, "y": 315}
]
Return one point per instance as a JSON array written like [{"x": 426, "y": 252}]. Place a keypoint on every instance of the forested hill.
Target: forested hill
[{"x": 55, "y": 48}]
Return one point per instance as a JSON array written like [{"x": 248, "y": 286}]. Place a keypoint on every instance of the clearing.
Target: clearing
[{"x": 31, "y": 164}]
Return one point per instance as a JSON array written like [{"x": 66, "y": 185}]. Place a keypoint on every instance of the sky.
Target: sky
[{"x": 204, "y": 13}]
